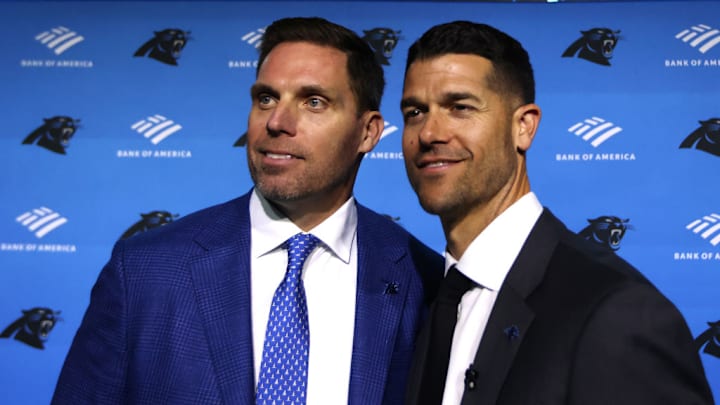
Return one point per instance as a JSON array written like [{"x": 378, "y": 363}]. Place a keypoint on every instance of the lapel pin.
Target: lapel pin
[
  {"x": 471, "y": 376},
  {"x": 392, "y": 288},
  {"x": 512, "y": 332}
]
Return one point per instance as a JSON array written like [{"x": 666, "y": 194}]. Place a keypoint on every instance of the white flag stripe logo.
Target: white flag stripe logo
[
  {"x": 254, "y": 37},
  {"x": 140, "y": 127},
  {"x": 591, "y": 127},
  {"x": 710, "y": 224},
  {"x": 41, "y": 221},
  {"x": 389, "y": 129},
  {"x": 156, "y": 128},
  {"x": 59, "y": 39},
  {"x": 700, "y": 35}
]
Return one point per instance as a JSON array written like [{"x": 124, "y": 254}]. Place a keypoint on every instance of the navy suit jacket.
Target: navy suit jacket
[
  {"x": 169, "y": 319},
  {"x": 573, "y": 323}
]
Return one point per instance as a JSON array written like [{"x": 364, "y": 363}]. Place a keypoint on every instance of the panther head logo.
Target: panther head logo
[
  {"x": 606, "y": 231},
  {"x": 595, "y": 45},
  {"x": 706, "y": 138},
  {"x": 54, "y": 134},
  {"x": 392, "y": 218},
  {"x": 710, "y": 339},
  {"x": 165, "y": 46},
  {"x": 149, "y": 221},
  {"x": 33, "y": 327},
  {"x": 382, "y": 41},
  {"x": 242, "y": 141}
]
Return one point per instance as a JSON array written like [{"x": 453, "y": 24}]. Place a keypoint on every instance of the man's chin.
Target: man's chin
[
  {"x": 278, "y": 194},
  {"x": 432, "y": 206}
]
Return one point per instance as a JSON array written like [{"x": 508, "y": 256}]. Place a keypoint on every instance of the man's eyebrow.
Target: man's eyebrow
[
  {"x": 410, "y": 102},
  {"x": 451, "y": 97},
  {"x": 313, "y": 89},
  {"x": 446, "y": 99},
  {"x": 260, "y": 88}
]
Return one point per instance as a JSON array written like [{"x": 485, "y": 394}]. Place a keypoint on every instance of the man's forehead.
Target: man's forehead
[
  {"x": 303, "y": 61},
  {"x": 304, "y": 52},
  {"x": 450, "y": 73},
  {"x": 454, "y": 63}
]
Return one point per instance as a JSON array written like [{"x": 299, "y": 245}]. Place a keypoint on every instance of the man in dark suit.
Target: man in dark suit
[
  {"x": 187, "y": 314},
  {"x": 529, "y": 312}
]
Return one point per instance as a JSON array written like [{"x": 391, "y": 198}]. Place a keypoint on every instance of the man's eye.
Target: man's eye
[
  {"x": 315, "y": 102},
  {"x": 264, "y": 99},
  {"x": 461, "y": 107},
  {"x": 409, "y": 114}
]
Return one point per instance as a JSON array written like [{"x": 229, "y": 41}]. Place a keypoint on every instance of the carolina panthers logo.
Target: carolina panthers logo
[
  {"x": 33, "y": 327},
  {"x": 706, "y": 138},
  {"x": 149, "y": 221},
  {"x": 382, "y": 41},
  {"x": 710, "y": 339},
  {"x": 54, "y": 134},
  {"x": 595, "y": 45},
  {"x": 165, "y": 46},
  {"x": 606, "y": 230},
  {"x": 392, "y": 218},
  {"x": 242, "y": 141}
]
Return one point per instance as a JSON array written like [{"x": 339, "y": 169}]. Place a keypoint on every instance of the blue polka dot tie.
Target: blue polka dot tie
[{"x": 284, "y": 367}]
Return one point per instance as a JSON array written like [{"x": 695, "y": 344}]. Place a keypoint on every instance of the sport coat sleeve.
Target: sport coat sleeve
[
  {"x": 169, "y": 319},
  {"x": 94, "y": 370},
  {"x": 635, "y": 349}
]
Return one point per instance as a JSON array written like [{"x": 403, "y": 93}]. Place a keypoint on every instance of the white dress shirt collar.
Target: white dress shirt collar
[
  {"x": 272, "y": 228},
  {"x": 490, "y": 255}
]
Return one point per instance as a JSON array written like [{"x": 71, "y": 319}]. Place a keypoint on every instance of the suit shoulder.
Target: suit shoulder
[
  {"x": 382, "y": 225},
  {"x": 598, "y": 258},
  {"x": 186, "y": 227},
  {"x": 580, "y": 273},
  {"x": 378, "y": 230}
]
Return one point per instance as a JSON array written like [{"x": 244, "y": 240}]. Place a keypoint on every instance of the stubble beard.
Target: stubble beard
[
  {"x": 279, "y": 187},
  {"x": 465, "y": 194}
]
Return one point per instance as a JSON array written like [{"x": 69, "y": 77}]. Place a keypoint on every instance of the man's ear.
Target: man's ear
[
  {"x": 526, "y": 120},
  {"x": 373, "y": 126}
]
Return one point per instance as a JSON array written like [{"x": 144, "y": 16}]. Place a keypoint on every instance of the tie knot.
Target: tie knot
[
  {"x": 301, "y": 244},
  {"x": 454, "y": 285},
  {"x": 299, "y": 247}
]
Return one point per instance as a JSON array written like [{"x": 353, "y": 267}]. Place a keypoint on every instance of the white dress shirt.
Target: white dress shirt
[
  {"x": 486, "y": 261},
  {"x": 330, "y": 278}
]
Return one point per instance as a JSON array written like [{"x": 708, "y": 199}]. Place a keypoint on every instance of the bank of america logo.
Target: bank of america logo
[
  {"x": 389, "y": 129},
  {"x": 595, "y": 130},
  {"x": 41, "y": 221},
  {"x": 59, "y": 39},
  {"x": 254, "y": 38},
  {"x": 701, "y": 37},
  {"x": 708, "y": 227},
  {"x": 156, "y": 128}
]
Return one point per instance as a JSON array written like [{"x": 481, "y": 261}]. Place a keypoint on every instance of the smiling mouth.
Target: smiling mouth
[
  {"x": 278, "y": 156},
  {"x": 436, "y": 164}
]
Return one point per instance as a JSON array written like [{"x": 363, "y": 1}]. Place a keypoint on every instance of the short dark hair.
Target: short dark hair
[
  {"x": 512, "y": 72},
  {"x": 367, "y": 79}
]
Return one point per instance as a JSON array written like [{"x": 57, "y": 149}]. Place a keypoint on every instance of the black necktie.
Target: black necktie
[{"x": 442, "y": 326}]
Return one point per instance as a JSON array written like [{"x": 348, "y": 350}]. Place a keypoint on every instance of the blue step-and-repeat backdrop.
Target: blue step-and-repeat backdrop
[{"x": 109, "y": 131}]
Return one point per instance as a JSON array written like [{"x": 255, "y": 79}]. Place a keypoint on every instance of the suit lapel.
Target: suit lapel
[
  {"x": 380, "y": 299},
  {"x": 221, "y": 277},
  {"x": 503, "y": 334},
  {"x": 417, "y": 367},
  {"x": 511, "y": 315}
]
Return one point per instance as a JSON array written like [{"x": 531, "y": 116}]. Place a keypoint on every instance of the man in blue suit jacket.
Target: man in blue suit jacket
[{"x": 178, "y": 314}]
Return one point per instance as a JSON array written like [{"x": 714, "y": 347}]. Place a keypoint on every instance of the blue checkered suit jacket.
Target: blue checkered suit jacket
[{"x": 170, "y": 322}]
